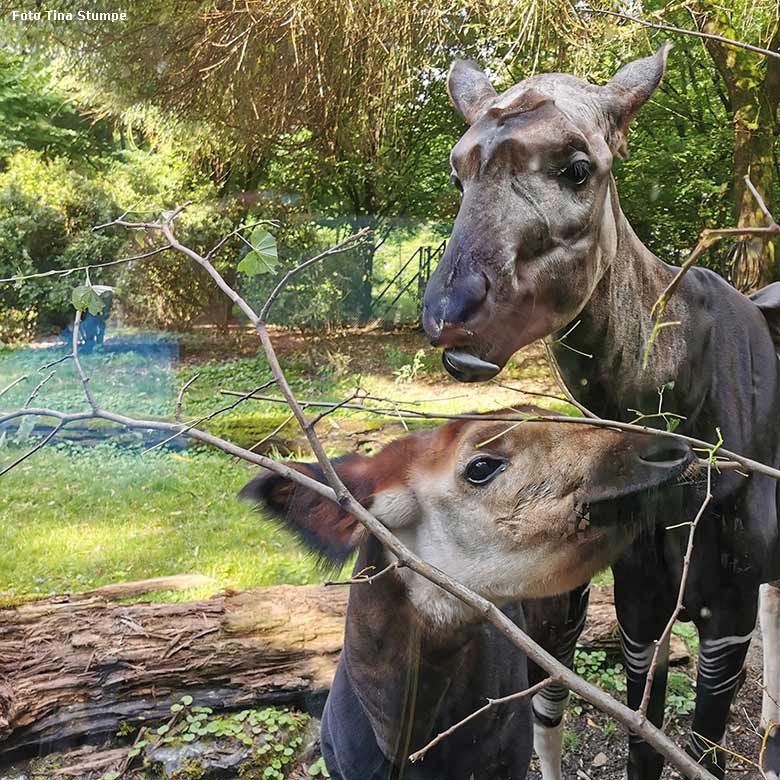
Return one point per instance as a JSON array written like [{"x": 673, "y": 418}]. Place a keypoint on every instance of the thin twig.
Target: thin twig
[
  {"x": 56, "y": 362},
  {"x": 363, "y": 578},
  {"x": 12, "y": 385},
  {"x": 40, "y": 445},
  {"x": 343, "y": 246},
  {"x": 683, "y": 31},
  {"x": 664, "y": 638},
  {"x": 91, "y": 267},
  {"x": 532, "y": 691},
  {"x": 556, "y": 372},
  {"x": 37, "y": 388},
  {"x": 180, "y": 396},
  {"x": 79, "y": 370},
  {"x": 208, "y": 417}
]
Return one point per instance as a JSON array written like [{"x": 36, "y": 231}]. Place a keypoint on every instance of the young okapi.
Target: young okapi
[
  {"x": 505, "y": 510},
  {"x": 540, "y": 247}
]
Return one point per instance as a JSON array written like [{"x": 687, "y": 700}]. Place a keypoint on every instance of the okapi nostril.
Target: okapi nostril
[
  {"x": 459, "y": 303},
  {"x": 666, "y": 451}
]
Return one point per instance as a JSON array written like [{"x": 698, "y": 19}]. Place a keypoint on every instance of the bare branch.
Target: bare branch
[
  {"x": 667, "y": 632},
  {"x": 180, "y": 396},
  {"x": 37, "y": 388},
  {"x": 683, "y": 31},
  {"x": 343, "y": 246},
  {"x": 12, "y": 385},
  {"x": 735, "y": 459},
  {"x": 40, "y": 445},
  {"x": 529, "y": 692},
  {"x": 79, "y": 370},
  {"x": 708, "y": 238},
  {"x": 69, "y": 271}
]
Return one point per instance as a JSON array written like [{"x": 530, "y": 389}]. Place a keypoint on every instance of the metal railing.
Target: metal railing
[{"x": 426, "y": 257}]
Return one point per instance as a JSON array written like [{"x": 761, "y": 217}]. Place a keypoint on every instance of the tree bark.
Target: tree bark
[
  {"x": 753, "y": 89},
  {"x": 72, "y": 669}
]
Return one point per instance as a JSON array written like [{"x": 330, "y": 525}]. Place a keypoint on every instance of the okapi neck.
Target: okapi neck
[{"x": 603, "y": 358}]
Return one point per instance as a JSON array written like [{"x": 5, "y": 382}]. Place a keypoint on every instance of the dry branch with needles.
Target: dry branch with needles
[{"x": 336, "y": 491}]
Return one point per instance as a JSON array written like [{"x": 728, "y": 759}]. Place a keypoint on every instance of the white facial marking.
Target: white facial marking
[{"x": 395, "y": 507}]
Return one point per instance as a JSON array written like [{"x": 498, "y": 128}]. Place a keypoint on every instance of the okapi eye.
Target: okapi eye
[
  {"x": 578, "y": 172},
  {"x": 456, "y": 182},
  {"x": 481, "y": 470}
]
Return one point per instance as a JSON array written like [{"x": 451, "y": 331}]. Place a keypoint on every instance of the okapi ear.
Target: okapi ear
[
  {"x": 321, "y": 524},
  {"x": 629, "y": 90},
  {"x": 470, "y": 90}
]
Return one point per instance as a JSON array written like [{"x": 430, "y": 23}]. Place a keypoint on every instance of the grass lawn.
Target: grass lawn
[{"x": 73, "y": 518}]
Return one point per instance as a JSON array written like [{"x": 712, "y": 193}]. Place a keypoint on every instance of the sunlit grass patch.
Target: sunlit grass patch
[{"x": 76, "y": 519}]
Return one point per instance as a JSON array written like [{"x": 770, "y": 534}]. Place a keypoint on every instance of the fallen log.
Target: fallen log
[{"x": 73, "y": 670}]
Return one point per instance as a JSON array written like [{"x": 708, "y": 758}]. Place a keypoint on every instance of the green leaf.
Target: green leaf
[
  {"x": 186, "y": 700},
  {"x": 264, "y": 256},
  {"x": 163, "y": 729},
  {"x": 188, "y": 737},
  {"x": 263, "y": 242},
  {"x": 85, "y": 298}
]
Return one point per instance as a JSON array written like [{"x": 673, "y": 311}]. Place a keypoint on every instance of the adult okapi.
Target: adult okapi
[{"x": 541, "y": 248}]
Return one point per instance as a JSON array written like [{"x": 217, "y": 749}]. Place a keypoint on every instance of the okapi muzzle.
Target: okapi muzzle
[{"x": 536, "y": 229}]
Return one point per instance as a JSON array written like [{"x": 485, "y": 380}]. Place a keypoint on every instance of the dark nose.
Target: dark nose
[
  {"x": 447, "y": 309},
  {"x": 663, "y": 452}
]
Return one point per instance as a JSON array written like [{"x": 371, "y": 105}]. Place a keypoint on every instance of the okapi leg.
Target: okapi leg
[
  {"x": 725, "y": 637},
  {"x": 644, "y": 600},
  {"x": 556, "y": 624},
  {"x": 644, "y": 763},
  {"x": 770, "y": 709}
]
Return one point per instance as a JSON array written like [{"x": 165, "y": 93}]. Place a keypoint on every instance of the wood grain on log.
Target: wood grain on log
[{"x": 72, "y": 670}]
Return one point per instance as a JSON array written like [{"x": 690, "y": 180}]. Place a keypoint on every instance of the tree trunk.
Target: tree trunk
[
  {"x": 753, "y": 88},
  {"x": 73, "y": 669}
]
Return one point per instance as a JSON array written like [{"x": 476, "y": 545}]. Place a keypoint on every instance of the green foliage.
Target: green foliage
[
  {"x": 36, "y": 114},
  {"x": 264, "y": 257},
  {"x": 680, "y": 694},
  {"x": 46, "y": 211},
  {"x": 408, "y": 372},
  {"x": 318, "y": 768},
  {"x": 274, "y": 736},
  {"x": 595, "y": 666},
  {"x": 87, "y": 298},
  {"x": 571, "y": 740}
]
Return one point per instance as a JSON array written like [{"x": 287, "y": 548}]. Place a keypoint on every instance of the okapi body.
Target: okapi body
[
  {"x": 540, "y": 248},
  {"x": 500, "y": 507}
]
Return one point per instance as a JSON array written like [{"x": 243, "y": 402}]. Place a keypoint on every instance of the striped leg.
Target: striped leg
[
  {"x": 770, "y": 709},
  {"x": 725, "y": 633},
  {"x": 556, "y": 624},
  {"x": 644, "y": 763}
]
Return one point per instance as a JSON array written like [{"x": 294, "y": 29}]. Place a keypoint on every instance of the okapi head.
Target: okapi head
[
  {"x": 504, "y": 507},
  {"x": 536, "y": 229}
]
